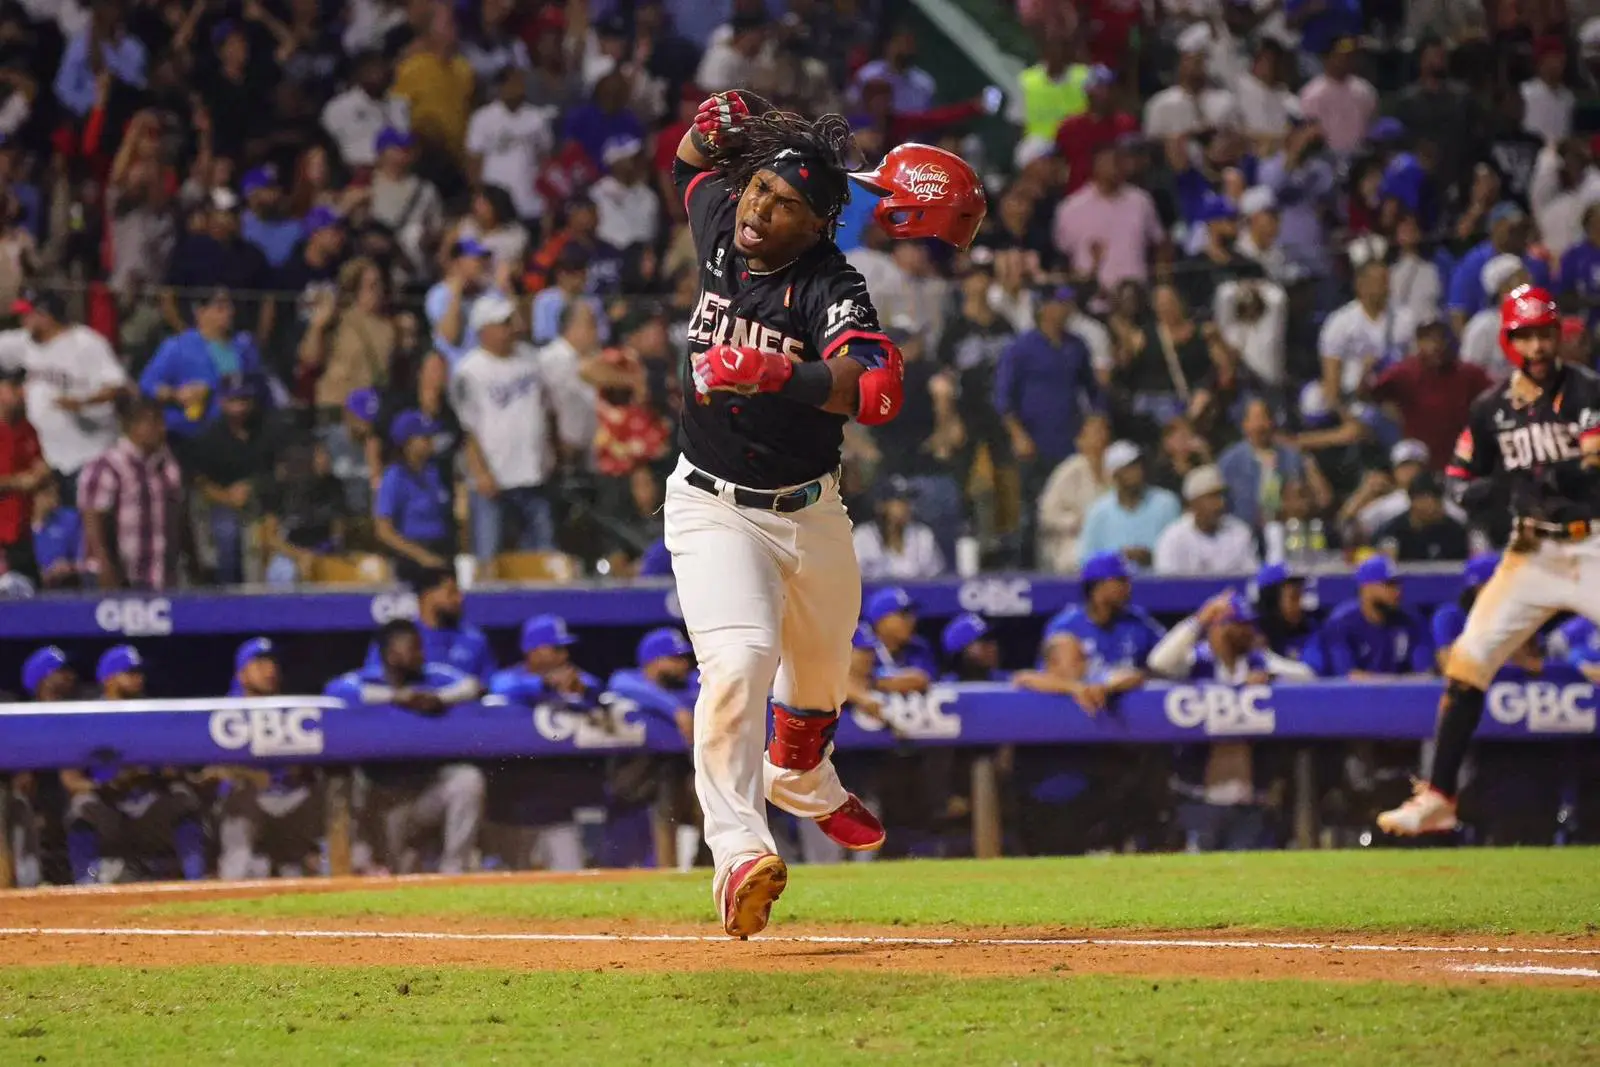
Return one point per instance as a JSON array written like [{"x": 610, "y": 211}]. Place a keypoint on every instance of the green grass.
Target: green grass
[
  {"x": 1545, "y": 891},
  {"x": 279, "y": 1015}
]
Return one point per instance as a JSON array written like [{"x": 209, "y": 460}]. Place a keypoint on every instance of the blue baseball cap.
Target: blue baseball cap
[
  {"x": 1214, "y": 207},
  {"x": 254, "y": 649},
  {"x": 1272, "y": 574},
  {"x": 664, "y": 641},
  {"x": 887, "y": 602},
  {"x": 961, "y": 632},
  {"x": 363, "y": 404},
  {"x": 1480, "y": 568},
  {"x": 259, "y": 178},
  {"x": 470, "y": 246},
  {"x": 40, "y": 665},
  {"x": 1241, "y": 610},
  {"x": 1099, "y": 77},
  {"x": 118, "y": 659},
  {"x": 545, "y": 630},
  {"x": 864, "y": 638},
  {"x": 390, "y": 137},
  {"x": 409, "y": 424},
  {"x": 1376, "y": 570},
  {"x": 1385, "y": 129},
  {"x": 322, "y": 218},
  {"x": 1103, "y": 566}
]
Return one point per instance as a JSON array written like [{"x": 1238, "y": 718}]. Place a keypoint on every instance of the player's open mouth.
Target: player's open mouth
[{"x": 749, "y": 235}]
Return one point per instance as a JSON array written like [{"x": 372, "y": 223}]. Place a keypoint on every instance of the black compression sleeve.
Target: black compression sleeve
[{"x": 809, "y": 383}]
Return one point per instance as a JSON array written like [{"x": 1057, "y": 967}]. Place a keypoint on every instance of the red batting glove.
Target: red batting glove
[
  {"x": 726, "y": 369},
  {"x": 720, "y": 114}
]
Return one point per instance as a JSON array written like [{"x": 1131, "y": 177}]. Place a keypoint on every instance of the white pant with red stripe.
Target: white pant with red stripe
[{"x": 770, "y": 602}]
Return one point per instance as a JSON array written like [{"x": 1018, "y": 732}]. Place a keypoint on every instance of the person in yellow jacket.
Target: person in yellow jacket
[
  {"x": 438, "y": 82},
  {"x": 1053, "y": 90}
]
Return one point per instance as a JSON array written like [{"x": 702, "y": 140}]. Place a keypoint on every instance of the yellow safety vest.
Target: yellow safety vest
[{"x": 1047, "y": 103}]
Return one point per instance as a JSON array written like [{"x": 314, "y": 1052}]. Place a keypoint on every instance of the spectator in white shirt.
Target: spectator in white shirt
[
  {"x": 1076, "y": 483},
  {"x": 73, "y": 379},
  {"x": 405, "y": 202},
  {"x": 1091, "y": 332},
  {"x": 895, "y": 546},
  {"x": 1265, "y": 103},
  {"x": 1258, "y": 239},
  {"x": 1546, "y": 102},
  {"x": 507, "y": 142},
  {"x": 1207, "y": 540},
  {"x": 1365, "y": 335},
  {"x": 1414, "y": 281},
  {"x": 356, "y": 116},
  {"x": 735, "y": 60},
  {"x": 506, "y": 408},
  {"x": 1565, "y": 183},
  {"x": 1407, "y": 459},
  {"x": 1480, "y": 341},
  {"x": 1252, "y": 316},
  {"x": 492, "y": 222},
  {"x": 1190, "y": 105},
  {"x": 629, "y": 213}
]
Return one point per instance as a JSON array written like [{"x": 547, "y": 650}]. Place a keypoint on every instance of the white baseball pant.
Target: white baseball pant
[{"x": 1524, "y": 592}]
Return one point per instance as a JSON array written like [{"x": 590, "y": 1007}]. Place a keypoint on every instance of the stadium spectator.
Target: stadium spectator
[
  {"x": 412, "y": 514},
  {"x": 407, "y": 801},
  {"x": 305, "y": 510},
  {"x": 1480, "y": 340},
  {"x": 213, "y": 259},
  {"x": 1380, "y": 500},
  {"x": 1096, "y": 650},
  {"x": 270, "y": 819},
  {"x": 575, "y": 238},
  {"x": 1128, "y": 520},
  {"x": 233, "y": 459},
  {"x": 1258, "y": 467},
  {"x": 1160, "y": 362},
  {"x": 1508, "y": 235},
  {"x": 629, "y": 213},
  {"x": 1365, "y": 336},
  {"x": 313, "y": 267},
  {"x": 507, "y": 141},
  {"x": 905, "y": 662},
  {"x": 120, "y": 53},
  {"x": 1251, "y": 317},
  {"x": 404, "y": 201},
  {"x": 22, "y": 471},
  {"x": 1220, "y": 785},
  {"x": 1302, "y": 180},
  {"x": 1182, "y": 450},
  {"x": 437, "y": 82},
  {"x": 266, "y": 222},
  {"x": 1371, "y": 636},
  {"x": 349, "y": 341},
  {"x": 72, "y": 379},
  {"x": 1415, "y": 283},
  {"x": 1431, "y": 389},
  {"x": 449, "y": 302},
  {"x": 1265, "y": 102},
  {"x": 120, "y": 818},
  {"x": 894, "y": 545},
  {"x": 185, "y": 374},
  {"x": 492, "y": 222},
  {"x": 57, "y": 538},
  {"x": 1287, "y": 626},
  {"x": 971, "y": 652},
  {"x": 1546, "y": 101},
  {"x": 1442, "y": 106},
  {"x": 1565, "y": 185},
  {"x": 506, "y": 408},
  {"x": 913, "y": 87},
  {"x": 1108, "y": 228},
  {"x": 135, "y": 514},
  {"x": 569, "y": 278},
  {"x": 1424, "y": 533},
  {"x": 1075, "y": 484},
  {"x": 1190, "y": 105},
  {"x": 1340, "y": 101},
  {"x": 355, "y": 117},
  {"x": 1206, "y": 539}
]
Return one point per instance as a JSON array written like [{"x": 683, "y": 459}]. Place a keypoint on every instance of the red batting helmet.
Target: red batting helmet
[
  {"x": 927, "y": 192},
  {"x": 1526, "y": 307}
]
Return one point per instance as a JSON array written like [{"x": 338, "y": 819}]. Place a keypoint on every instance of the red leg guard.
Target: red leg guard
[{"x": 800, "y": 738}]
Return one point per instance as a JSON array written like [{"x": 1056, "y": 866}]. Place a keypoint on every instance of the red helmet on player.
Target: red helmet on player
[
  {"x": 927, "y": 192},
  {"x": 1526, "y": 307}
]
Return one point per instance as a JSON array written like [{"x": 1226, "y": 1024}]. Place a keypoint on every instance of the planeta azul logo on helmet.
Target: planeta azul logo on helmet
[{"x": 926, "y": 181}]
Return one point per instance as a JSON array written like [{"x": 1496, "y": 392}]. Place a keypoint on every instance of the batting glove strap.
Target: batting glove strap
[{"x": 720, "y": 115}]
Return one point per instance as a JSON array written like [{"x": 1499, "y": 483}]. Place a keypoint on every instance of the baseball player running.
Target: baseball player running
[
  {"x": 785, "y": 348},
  {"x": 1538, "y": 435}
]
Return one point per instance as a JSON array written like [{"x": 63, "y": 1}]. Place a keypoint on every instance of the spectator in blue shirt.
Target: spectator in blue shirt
[
  {"x": 1371, "y": 636},
  {"x": 58, "y": 546},
  {"x": 121, "y": 52},
  {"x": 446, "y": 637},
  {"x": 1129, "y": 518},
  {"x": 412, "y": 800},
  {"x": 1508, "y": 234},
  {"x": 905, "y": 662},
  {"x": 1287, "y": 622},
  {"x": 185, "y": 373},
  {"x": 568, "y": 278},
  {"x": 1323, "y": 22},
  {"x": 971, "y": 651},
  {"x": 265, "y": 223},
  {"x": 1096, "y": 650},
  {"x": 1580, "y": 266},
  {"x": 411, "y": 514},
  {"x": 606, "y": 118},
  {"x": 448, "y": 304}
]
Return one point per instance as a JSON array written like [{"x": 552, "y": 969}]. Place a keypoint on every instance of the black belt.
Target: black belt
[
  {"x": 785, "y": 503},
  {"x": 1576, "y": 530}
]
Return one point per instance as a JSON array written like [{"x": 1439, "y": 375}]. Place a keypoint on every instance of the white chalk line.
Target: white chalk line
[
  {"x": 278, "y": 885},
  {"x": 1529, "y": 968},
  {"x": 802, "y": 939}
]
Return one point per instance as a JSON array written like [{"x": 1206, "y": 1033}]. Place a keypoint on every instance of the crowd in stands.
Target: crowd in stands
[{"x": 321, "y": 291}]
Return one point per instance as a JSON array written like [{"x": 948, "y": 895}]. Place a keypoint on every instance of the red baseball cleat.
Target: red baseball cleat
[
  {"x": 853, "y": 826},
  {"x": 752, "y": 889}
]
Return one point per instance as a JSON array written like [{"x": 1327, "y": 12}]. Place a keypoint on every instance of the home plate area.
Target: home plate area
[{"x": 129, "y": 926}]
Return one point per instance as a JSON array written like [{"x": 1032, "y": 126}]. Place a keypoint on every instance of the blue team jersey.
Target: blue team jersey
[
  {"x": 1125, "y": 641},
  {"x": 1582, "y": 638},
  {"x": 1448, "y": 622},
  {"x": 659, "y": 700},
  {"x": 522, "y": 686},
  {"x": 435, "y": 677},
  {"x": 917, "y": 655},
  {"x": 1205, "y": 667},
  {"x": 1351, "y": 643},
  {"x": 466, "y": 649}
]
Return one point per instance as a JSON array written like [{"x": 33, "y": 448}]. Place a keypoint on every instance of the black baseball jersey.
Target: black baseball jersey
[
  {"x": 815, "y": 308},
  {"x": 1535, "y": 440}
]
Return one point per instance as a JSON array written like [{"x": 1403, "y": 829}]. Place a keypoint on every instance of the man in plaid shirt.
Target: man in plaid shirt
[{"x": 135, "y": 517}]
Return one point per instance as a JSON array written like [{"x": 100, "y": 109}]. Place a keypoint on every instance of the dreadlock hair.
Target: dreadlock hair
[{"x": 825, "y": 142}]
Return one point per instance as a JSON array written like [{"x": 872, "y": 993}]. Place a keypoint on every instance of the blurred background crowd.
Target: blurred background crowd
[{"x": 327, "y": 291}]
